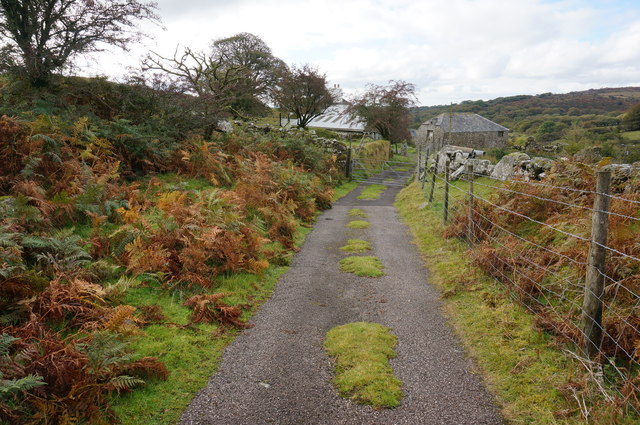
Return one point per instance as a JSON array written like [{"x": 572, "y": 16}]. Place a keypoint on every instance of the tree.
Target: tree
[
  {"x": 251, "y": 56},
  {"x": 212, "y": 81},
  {"x": 303, "y": 92},
  {"x": 42, "y": 36},
  {"x": 631, "y": 119},
  {"x": 386, "y": 109}
]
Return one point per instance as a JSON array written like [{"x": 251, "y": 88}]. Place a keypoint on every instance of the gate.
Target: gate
[{"x": 387, "y": 173}]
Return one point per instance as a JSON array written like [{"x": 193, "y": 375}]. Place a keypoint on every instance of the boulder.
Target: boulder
[
  {"x": 224, "y": 126},
  {"x": 508, "y": 165}
]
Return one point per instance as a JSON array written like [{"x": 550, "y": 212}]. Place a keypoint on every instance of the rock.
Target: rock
[
  {"x": 508, "y": 165},
  {"x": 224, "y": 126},
  {"x": 537, "y": 167},
  {"x": 482, "y": 167}
]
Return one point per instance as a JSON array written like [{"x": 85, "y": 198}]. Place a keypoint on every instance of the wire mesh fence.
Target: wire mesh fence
[{"x": 568, "y": 250}]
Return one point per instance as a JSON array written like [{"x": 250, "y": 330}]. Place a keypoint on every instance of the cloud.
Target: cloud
[{"x": 452, "y": 51}]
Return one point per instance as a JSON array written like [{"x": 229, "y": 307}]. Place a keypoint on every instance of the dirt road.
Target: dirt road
[{"x": 277, "y": 372}]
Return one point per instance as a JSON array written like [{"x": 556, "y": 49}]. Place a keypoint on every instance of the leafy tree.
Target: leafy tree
[
  {"x": 42, "y": 36},
  {"x": 303, "y": 92},
  {"x": 631, "y": 119},
  {"x": 249, "y": 55},
  {"x": 387, "y": 109}
]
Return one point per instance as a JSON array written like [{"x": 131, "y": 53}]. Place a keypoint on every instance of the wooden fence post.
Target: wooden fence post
[
  {"x": 470, "y": 232},
  {"x": 419, "y": 163},
  {"x": 446, "y": 191},
  {"x": 433, "y": 179},
  {"x": 594, "y": 281},
  {"x": 348, "y": 164},
  {"x": 424, "y": 166}
]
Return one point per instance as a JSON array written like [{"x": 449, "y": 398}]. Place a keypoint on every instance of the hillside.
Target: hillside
[
  {"x": 596, "y": 108},
  {"x": 132, "y": 247}
]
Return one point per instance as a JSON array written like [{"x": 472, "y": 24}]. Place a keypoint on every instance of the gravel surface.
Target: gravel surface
[{"x": 278, "y": 373}]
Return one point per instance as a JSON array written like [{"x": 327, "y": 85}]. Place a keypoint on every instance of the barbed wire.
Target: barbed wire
[{"x": 567, "y": 290}]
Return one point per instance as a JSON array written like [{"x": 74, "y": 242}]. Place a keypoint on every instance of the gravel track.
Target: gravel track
[{"x": 278, "y": 373}]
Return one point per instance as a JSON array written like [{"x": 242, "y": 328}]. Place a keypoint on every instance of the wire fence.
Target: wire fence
[{"x": 570, "y": 255}]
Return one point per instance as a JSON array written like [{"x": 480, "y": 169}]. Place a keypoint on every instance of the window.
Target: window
[{"x": 500, "y": 133}]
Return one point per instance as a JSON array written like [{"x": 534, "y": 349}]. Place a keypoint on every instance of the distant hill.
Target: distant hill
[{"x": 597, "y": 110}]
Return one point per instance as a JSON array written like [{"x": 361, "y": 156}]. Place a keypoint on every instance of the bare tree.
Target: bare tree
[
  {"x": 386, "y": 109},
  {"x": 249, "y": 54},
  {"x": 42, "y": 36},
  {"x": 303, "y": 92},
  {"x": 212, "y": 81}
]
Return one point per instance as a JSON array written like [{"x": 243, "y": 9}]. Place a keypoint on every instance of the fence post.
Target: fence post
[
  {"x": 446, "y": 191},
  {"x": 594, "y": 281},
  {"x": 424, "y": 167},
  {"x": 348, "y": 165},
  {"x": 433, "y": 179},
  {"x": 470, "y": 237},
  {"x": 419, "y": 163}
]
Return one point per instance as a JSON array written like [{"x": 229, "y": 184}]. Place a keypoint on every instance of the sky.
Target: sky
[{"x": 452, "y": 50}]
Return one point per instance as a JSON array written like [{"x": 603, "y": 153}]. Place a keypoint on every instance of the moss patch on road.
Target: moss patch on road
[
  {"x": 367, "y": 266},
  {"x": 357, "y": 212},
  {"x": 361, "y": 352},
  {"x": 372, "y": 191},
  {"x": 357, "y": 224},
  {"x": 356, "y": 245}
]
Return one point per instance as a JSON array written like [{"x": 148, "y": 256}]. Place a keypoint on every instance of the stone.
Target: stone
[
  {"x": 508, "y": 165},
  {"x": 224, "y": 126}
]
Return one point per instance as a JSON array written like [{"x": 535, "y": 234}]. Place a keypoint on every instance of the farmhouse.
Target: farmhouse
[{"x": 461, "y": 129}]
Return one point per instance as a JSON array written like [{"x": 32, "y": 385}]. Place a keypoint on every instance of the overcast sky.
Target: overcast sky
[{"x": 452, "y": 50}]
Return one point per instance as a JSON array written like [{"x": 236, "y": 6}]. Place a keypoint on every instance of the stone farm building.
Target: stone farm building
[{"x": 461, "y": 129}]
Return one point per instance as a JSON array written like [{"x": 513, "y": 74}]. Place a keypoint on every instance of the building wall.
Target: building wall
[{"x": 433, "y": 137}]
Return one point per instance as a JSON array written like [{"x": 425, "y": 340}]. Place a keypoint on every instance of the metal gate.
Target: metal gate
[{"x": 387, "y": 173}]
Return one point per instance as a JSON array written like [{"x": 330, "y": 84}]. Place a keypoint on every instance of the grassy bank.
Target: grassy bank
[
  {"x": 522, "y": 368},
  {"x": 180, "y": 344}
]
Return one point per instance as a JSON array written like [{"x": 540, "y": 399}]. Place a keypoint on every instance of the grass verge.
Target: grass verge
[
  {"x": 362, "y": 351},
  {"x": 358, "y": 224},
  {"x": 190, "y": 351},
  {"x": 367, "y": 266},
  {"x": 373, "y": 191},
  {"x": 519, "y": 363},
  {"x": 356, "y": 245},
  {"x": 357, "y": 212}
]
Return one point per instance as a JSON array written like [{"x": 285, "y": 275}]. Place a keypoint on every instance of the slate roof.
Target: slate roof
[{"x": 465, "y": 123}]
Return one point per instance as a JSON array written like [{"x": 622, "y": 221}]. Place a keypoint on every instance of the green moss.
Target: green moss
[
  {"x": 343, "y": 190},
  {"x": 356, "y": 245},
  {"x": 357, "y": 212},
  {"x": 368, "y": 266},
  {"x": 519, "y": 363},
  {"x": 372, "y": 191},
  {"x": 362, "y": 351},
  {"x": 358, "y": 224}
]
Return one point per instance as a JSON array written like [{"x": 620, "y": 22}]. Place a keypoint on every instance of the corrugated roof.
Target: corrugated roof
[
  {"x": 465, "y": 123},
  {"x": 337, "y": 118}
]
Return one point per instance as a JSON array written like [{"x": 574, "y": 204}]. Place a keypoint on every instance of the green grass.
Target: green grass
[
  {"x": 362, "y": 351},
  {"x": 357, "y": 212},
  {"x": 631, "y": 135},
  {"x": 191, "y": 352},
  {"x": 358, "y": 224},
  {"x": 367, "y": 266},
  {"x": 343, "y": 190},
  {"x": 520, "y": 364},
  {"x": 373, "y": 191},
  {"x": 356, "y": 245}
]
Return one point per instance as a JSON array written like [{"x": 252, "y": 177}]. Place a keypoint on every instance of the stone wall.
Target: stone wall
[{"x": 434, "y": 138}]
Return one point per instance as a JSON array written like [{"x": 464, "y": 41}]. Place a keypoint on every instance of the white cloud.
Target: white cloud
[{"x": 453, "y": 50}]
